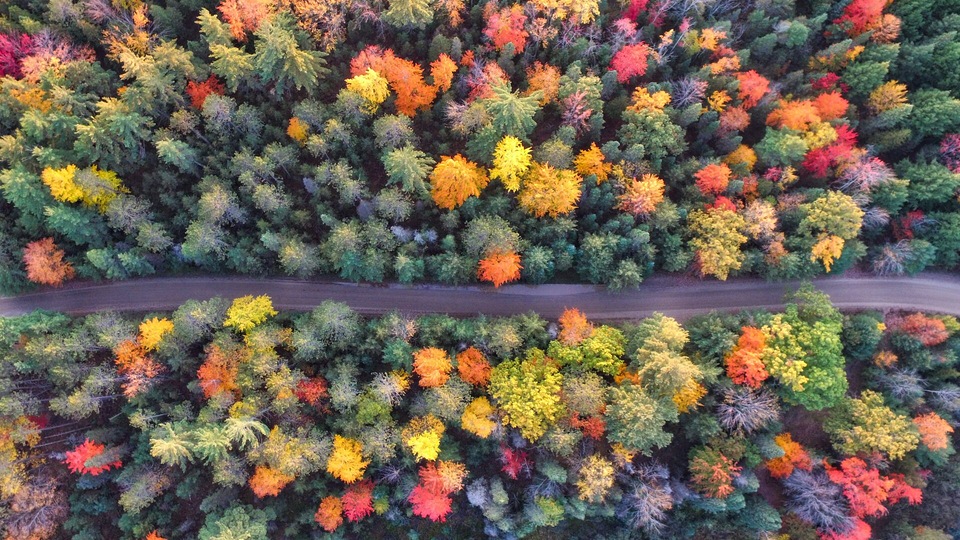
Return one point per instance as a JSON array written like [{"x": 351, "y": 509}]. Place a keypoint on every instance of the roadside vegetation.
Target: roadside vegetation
[
  {"x": 417, "y": 140},
  {"x": 228, "y": 420}
]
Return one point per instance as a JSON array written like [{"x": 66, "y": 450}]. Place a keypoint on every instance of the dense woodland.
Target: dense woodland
[
  {"x": 226, "y": 420},
  {"x": 438, "y": 140}
]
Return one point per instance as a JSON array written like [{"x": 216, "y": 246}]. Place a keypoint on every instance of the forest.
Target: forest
[
  {"x": 228, "y": 420},
  {"x": 454, "y": 142}
]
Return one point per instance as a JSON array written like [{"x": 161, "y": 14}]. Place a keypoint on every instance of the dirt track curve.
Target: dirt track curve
[{"x": 677, "y": 297}]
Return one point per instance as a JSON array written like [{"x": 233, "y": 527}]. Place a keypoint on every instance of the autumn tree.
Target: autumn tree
[
  {"x": 744, "y": 363},
  {"x": 794, "y": 457},
  {"x": 595, "y": 478},
  {"x": 372, "y": 87},
  {"x": 550, "y": 192},
  {"x": 592, "y": 161},
  {"x": 752, "y": 88},
  {"x": 528, "y": 393},
  {"x": 473, "y": 366},
  {"x": 477, "y": 416},
  {"x": 867, "y": 490},
  {"x": 346, "y": 461},
  {"x": 218, "y": 372},
  {"x": 454, "y": 180},
  {"x": 246, "y": 312},
  {"x": 152, "y": 332},
  {"x": 433, "y": 366},
  {"x": 511, "y": 160},
  {"x": 91, "y": 458},
  {"x": 267, "y": 481},
  {"x": 934, "y": 431},
  {"x": 866, "y": 424},
  {"x": 499, "y": 268},
  {"x": 574, "y": 327},
  {"x": 642, "y": 196},
  {"x": 422, "y": 436},
  {"x": 45, "y": 264},
  {"x": 358, "y": 501},
  {"x": 713, "y": 179},
  {"x": 631, "y": 61},
  {"x": 717, "y": 237},
  {"x": 712, "y": 473},
  {"x": 330, "y": 513},
  {"x": 506, "y": 27}
]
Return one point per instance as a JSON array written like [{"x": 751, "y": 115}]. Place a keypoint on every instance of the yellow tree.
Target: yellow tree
[
  {"x": 247, "y": 312},
  {"x": 591, "y": 161},
  {"x": 641, "y": 197},
  {"x": 454, "y": 180},
  {"x": 510, "y": 162},
  {"x": 372, "y": 87},
  {"x": 717, "y": 237},
  {"x": 152, "y": 332},
  {"x": 422, "y": 436},
  {"x": 346, "y": 461},
  {"x": 476, "y": 418},
  {"x": 595, "y": 478},
  {"x": 550, "y": 192}
]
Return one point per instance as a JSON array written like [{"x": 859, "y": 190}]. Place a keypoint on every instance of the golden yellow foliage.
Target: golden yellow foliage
[
  {"x": 591, "y": 161},
  {"x": 827, "y": 250},
  {"x": 422, "y": 436},
  {"x": 372, "y": 87},
  {"x": 511, "y": 160},
  {"x": 718, "y": 100},
  {"x": 247, "y": 312},
  {"x": 743, "y": 156},
  {"x": 644, "y": 100},
  {"x": 476, "y": 418},
  {"x": 297, "y": 130},
  {"x": 641, "y": 197},
  {"x": 346, "y": 462},
  {"x": 152, "y": 332},
  {"x": 454, "y": 180},
  {"x": 550, "y": 192},
  {"x": 689, "y": 396}
]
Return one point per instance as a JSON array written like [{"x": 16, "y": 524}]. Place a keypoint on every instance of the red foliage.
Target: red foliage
[
  {"x": 867, "y": 490},
  {"x": 903, "y": 227},
  {"x": 358, "y": 501},
  {"x": 860, "y": 531},
  {"x": 819, "y": 161},
  {"x": 950, "y": 151},
  {"x": 722, "y": 203},
  {"x": 713, "y": 179},
  {"x": 631, "y": 61},
  {"x": 45, "y": 264},
  {"x": 429, "y": 504},
  {"x": 862, "y": 15},
  {"x": 507, "y": 26},
  {"x": 12, "y": 50},
  {"x": 634, "y": 9},
  {"x": 198, "y": 92},
  {"x": 88, "y": 458},
  {"x": 245, "y": 15},
  {"x": 753, "y": 87},
  {"x": 827, "y": 82},
  {"x": 514, "y": 461},
  {"x": 592, "y": 426},
  {"x": 312, "y": 391},
  {"x": 744, "y": 365}
]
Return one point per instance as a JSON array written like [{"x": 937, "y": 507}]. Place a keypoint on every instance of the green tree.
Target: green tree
[
  {"x": 636, "y": 420},
  {"x": 281, "y": 58},
  {"x": 408, "y": 167}
]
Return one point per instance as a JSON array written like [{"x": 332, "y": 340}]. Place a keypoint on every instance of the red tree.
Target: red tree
[
  {"x": 507, "y": 26},
  {"x": 198, "y": 92},
  {"x": 631, "y": 61},
  {"x": 931, "y": 332},
  {"x": 862, "y": 15},
  {"x": 867, "y": 490},
  {"x": 312, "y": 391},
  {"x": 514, "y": 461},
  {"x": 12, "y": 50},
  {"x": 358, "y": 501},
  {"x": 89, "y": 458},
  {"x": 429, "y": 504}
]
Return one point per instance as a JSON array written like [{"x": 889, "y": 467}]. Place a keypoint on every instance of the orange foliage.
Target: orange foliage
[
  {"x": 428, "y": 504},
  {"x": 794, "y": 457},
  {"x": 641, "y": 196},
  {"x": 330, "y": 513},
  {"x": 312, "y": 390},
  {"x": 744, "y": 365},
  {"x": 796, "y": 115},
  {"x": 574, "y": 327},
  {"x": 442, "y": 70},
  {"x": 929, "y": 331},
  {"x": 473, "y": 367},
  {"x": 135, "y": 366},
  {"x": 218, "y": 372},
  {"x": 454, "y": 180},
  {"x": 753, "y": 87},
  {"x": 592, "y": 426},
  {"x": 198, "y": 92},
  {"x": 831, "y": 105},
  {"x": 433, "y": 366},
  {"x": 546, "y": 78},
  {"x": 245, "y": 15},
  {"x": 934, "y": 431},
  {"x": 404, "y": 76},
  {"x": 507, "y": 26},
  {"x": 443, "y": 477},
  {"x": 499, "y": 268},
  {"x": 867, "y": 490},
  {"x": 885, "y": 359},
  {"x": 358, "y": 501},
  {"x": 713, "y": 179},
  {"x": 862, "y": 15},
  {"x": 268, "y": 481},
  {"x": 734, "y": 119},
  {"x": 154, "y": 535},
  {"x": 45, "y": 264}
]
